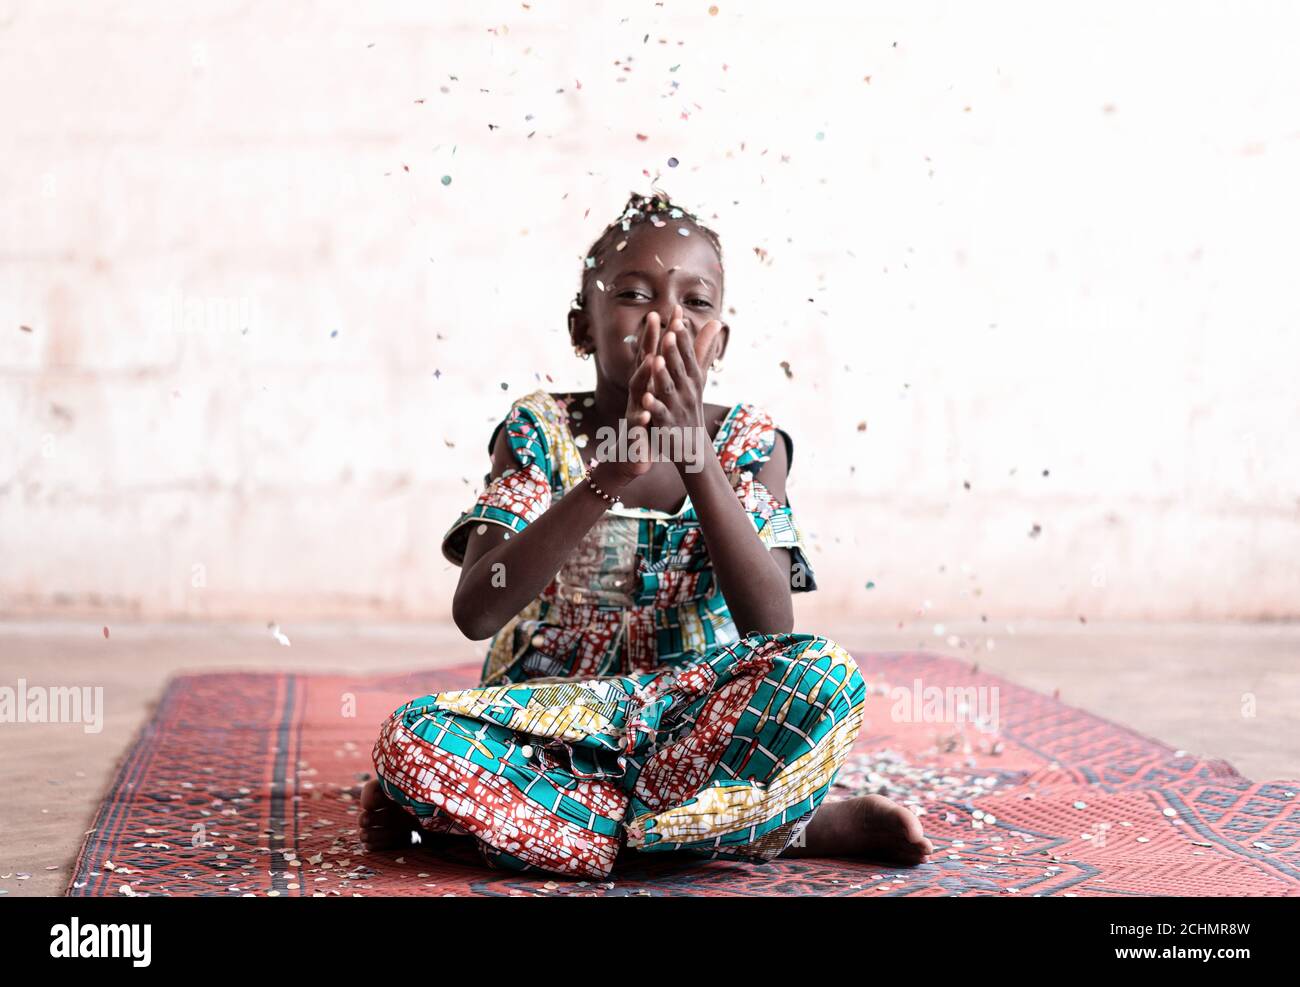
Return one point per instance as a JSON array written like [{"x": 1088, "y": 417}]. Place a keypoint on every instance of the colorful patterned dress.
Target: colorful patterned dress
[{"x": 621, "y": 707}]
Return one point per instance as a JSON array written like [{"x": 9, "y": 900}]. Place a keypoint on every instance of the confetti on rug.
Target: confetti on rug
[{"x": 247, "y": 784}]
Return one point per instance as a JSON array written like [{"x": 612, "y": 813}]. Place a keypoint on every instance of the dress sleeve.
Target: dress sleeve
[
  {"x": 518, "y": 496},
  {"x": 747, "y": 447}
]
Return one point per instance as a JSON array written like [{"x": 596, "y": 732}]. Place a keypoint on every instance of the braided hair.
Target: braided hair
[{"x": 657, "y": 209}]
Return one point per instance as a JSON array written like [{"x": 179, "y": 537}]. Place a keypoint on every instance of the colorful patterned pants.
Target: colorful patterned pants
[{"x": 725, "y": 754}]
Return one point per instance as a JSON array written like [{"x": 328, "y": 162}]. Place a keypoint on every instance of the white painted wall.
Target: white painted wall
[{"x": 1025, "y": 239}]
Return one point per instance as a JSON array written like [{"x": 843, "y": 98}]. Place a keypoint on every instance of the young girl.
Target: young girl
[{"x": 643, "y": 688}]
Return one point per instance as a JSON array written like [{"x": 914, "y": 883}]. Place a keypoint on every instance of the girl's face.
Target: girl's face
[{"x": 658, "y": 269}]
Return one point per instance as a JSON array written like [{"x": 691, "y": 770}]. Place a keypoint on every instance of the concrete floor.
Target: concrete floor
[{"x": 1181, "y": 683}]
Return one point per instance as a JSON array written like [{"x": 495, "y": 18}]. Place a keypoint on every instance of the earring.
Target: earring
[
  {"x": 715, "y": 366},
  {"x": 582, "y": 352}
]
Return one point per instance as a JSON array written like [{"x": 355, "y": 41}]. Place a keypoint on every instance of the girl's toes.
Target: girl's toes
[
  {"x": 383, "y": 837},
  {"x": 391, "y": 817},
  {"x": 890, "y": 827},
  {"x": 382, "y": 824}
]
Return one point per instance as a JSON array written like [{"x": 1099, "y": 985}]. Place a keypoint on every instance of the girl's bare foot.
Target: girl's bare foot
[
  {"x": 869, "y": 826},
  {"x": 383, "y": 824}
]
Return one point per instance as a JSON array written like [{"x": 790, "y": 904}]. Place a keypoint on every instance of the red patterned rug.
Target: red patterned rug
[{"x": 246, "y": 784}]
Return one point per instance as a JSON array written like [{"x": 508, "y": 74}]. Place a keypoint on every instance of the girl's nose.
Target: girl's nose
[{"x": 666, "y": 317}]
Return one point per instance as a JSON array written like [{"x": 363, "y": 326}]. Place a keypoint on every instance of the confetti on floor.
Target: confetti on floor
[{"x": 247, "y": 785}]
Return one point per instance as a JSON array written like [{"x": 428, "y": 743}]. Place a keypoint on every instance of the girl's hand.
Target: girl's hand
[
  {"x": 677, "y": 397},
  {"x": 642, "y": 382},
  {"x": 639, "y": 388}
]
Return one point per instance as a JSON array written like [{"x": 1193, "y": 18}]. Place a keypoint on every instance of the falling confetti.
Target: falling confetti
[
  {"x": 279, "y": 635},
  {"x": 446, "y": 179},
  {"x": 105, "y": 633},
  {"x": 785, "y": 365},
  {"x": 672, "y": 162}
]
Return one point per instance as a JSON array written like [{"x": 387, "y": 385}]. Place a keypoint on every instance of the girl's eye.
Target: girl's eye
[{"x": 635, "y": 294}]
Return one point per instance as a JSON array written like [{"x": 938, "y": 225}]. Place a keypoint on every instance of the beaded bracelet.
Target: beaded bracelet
[{"x": 611, "y": 501}]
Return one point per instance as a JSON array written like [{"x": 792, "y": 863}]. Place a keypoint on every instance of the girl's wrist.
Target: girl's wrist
[
  {"x": 695, "y": 471},
  {"x": 608, "y": 477}
]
